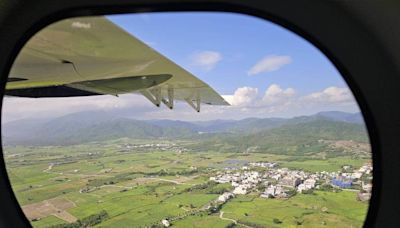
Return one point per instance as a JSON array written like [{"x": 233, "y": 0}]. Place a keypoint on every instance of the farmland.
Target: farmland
[{"x": 136, "y": 187}]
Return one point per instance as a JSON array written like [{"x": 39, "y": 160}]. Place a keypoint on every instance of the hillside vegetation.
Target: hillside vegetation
[
  {"x": 294, "y": 139},
  {"x": 274, "y": 135}
]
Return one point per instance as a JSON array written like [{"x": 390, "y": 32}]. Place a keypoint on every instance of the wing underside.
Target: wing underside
[{"x": 92, "y": 56}]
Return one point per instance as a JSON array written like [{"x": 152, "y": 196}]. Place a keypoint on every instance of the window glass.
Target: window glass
[{"x": 182, "y": 119}]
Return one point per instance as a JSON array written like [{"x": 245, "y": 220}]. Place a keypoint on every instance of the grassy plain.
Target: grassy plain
[
  {"x": 309, "y": 210},
  {"x": 141, "y": 187}
]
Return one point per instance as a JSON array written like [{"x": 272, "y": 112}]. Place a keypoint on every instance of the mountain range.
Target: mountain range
[{"x": 91, "y": 126}]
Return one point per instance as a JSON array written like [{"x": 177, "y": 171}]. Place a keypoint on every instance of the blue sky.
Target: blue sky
[
  {"x": 262, "y": 69},
  {"x": 242, "y": 41}
]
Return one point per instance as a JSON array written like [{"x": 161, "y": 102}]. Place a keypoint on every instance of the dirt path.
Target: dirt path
[{"x": 221, "y": 216}]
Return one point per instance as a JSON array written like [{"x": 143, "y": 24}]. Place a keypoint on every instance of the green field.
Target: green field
[
  {"x": 303, "y": 209},
  {"x": 139, "y": 188}
]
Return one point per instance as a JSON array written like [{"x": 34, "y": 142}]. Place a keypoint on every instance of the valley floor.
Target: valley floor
[{"x": 112, "y": 185}]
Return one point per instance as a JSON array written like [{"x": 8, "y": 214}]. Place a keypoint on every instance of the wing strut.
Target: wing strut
[
  {"x": 170, "y": 102},
  {"x": 153, "y": 95},
  {"x": 194, "y": 102}
]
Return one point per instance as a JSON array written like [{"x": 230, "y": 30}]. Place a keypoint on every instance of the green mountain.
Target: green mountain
[
  {"x": 86, "y": 127},
  {"x": 293, "y": 137},
  {"x": 239, "y": 135}
]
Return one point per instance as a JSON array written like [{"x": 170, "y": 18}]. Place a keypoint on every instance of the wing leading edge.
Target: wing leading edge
[{"x": 93, "y": 56}]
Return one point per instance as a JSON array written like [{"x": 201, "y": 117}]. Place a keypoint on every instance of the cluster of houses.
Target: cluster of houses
[
  {"x": 264, "y": 164},
  {"x": 275, "y": 182},
  {"x": 152, "y": 146}
]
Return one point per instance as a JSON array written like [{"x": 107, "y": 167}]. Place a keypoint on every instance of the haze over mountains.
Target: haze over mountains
[{"x": 85, "y": 127}]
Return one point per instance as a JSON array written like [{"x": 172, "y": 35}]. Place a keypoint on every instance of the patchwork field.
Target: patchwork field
[
  {"x": 115, "y": 187},
  {"x": 57, "y": 207}
]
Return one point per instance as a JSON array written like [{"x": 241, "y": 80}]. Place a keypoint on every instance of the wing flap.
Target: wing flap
[
  {"x": 112, "y": 86},
  {"x": 122, "y": 85}
]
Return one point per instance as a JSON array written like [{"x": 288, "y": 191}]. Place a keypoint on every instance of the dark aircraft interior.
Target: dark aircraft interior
[{"x": 361, "y": 38}]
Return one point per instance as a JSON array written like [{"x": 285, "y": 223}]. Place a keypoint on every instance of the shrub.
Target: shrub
[
  {"x": 276, "y": 221},
  {"x": 308, "y": 191}
]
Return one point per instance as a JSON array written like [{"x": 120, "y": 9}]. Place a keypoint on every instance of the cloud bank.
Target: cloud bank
[{"x": 246, "y": 101}]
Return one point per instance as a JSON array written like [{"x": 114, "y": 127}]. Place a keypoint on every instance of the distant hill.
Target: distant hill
[
  {"x": 218, "y": 126},
  {"x": 84, "y": 127},
  {"x": 290, "y": 138},
  {"x": 343, "y": 116}
]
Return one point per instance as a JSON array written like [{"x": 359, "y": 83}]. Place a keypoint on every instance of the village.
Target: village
[
  {"x": 128, "y": 147},
  {"x": 270, "y": 181}
]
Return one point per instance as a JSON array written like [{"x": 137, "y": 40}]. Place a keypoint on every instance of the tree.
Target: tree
[{"x": 276, "y": 221}]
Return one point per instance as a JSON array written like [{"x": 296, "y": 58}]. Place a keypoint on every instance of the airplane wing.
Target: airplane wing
[{"x": 92, "y": 56}]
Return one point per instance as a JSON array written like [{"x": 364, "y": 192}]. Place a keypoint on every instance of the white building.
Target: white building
[
  {"x": 301, "y": 188},
  {"x": 367, "y": 187},
  {"x": 309, "y": 183},
  {"x": 279, "y": 191},
  {"x": 240, "y": 190},
  {"x": 356, "y": 175},
  {"x": 270, "y": 190},
  {"x": 224, "y": 197},
  {"x": 290, "y": 181},
  {"x": 165, "y": 223}
]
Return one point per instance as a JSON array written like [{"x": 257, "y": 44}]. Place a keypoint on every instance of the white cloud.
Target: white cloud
[
  {"x": 331, "y": 95},
  {"x": 246, "y": 102},
  {"x": 18, "y": 108},
  {"x": 275, "y": 94},
  {"x": 270, "y": 63},
  {"x": 242, "y": 96},
  {"x": 285, "y": 102},
  {"x": 206, "y": 59}
]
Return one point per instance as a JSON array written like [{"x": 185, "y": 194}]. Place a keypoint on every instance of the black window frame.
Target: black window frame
[{"x": 359, "y": 37}]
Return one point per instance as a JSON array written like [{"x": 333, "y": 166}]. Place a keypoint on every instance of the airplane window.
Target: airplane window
[{"x": 184, "y": 120}]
